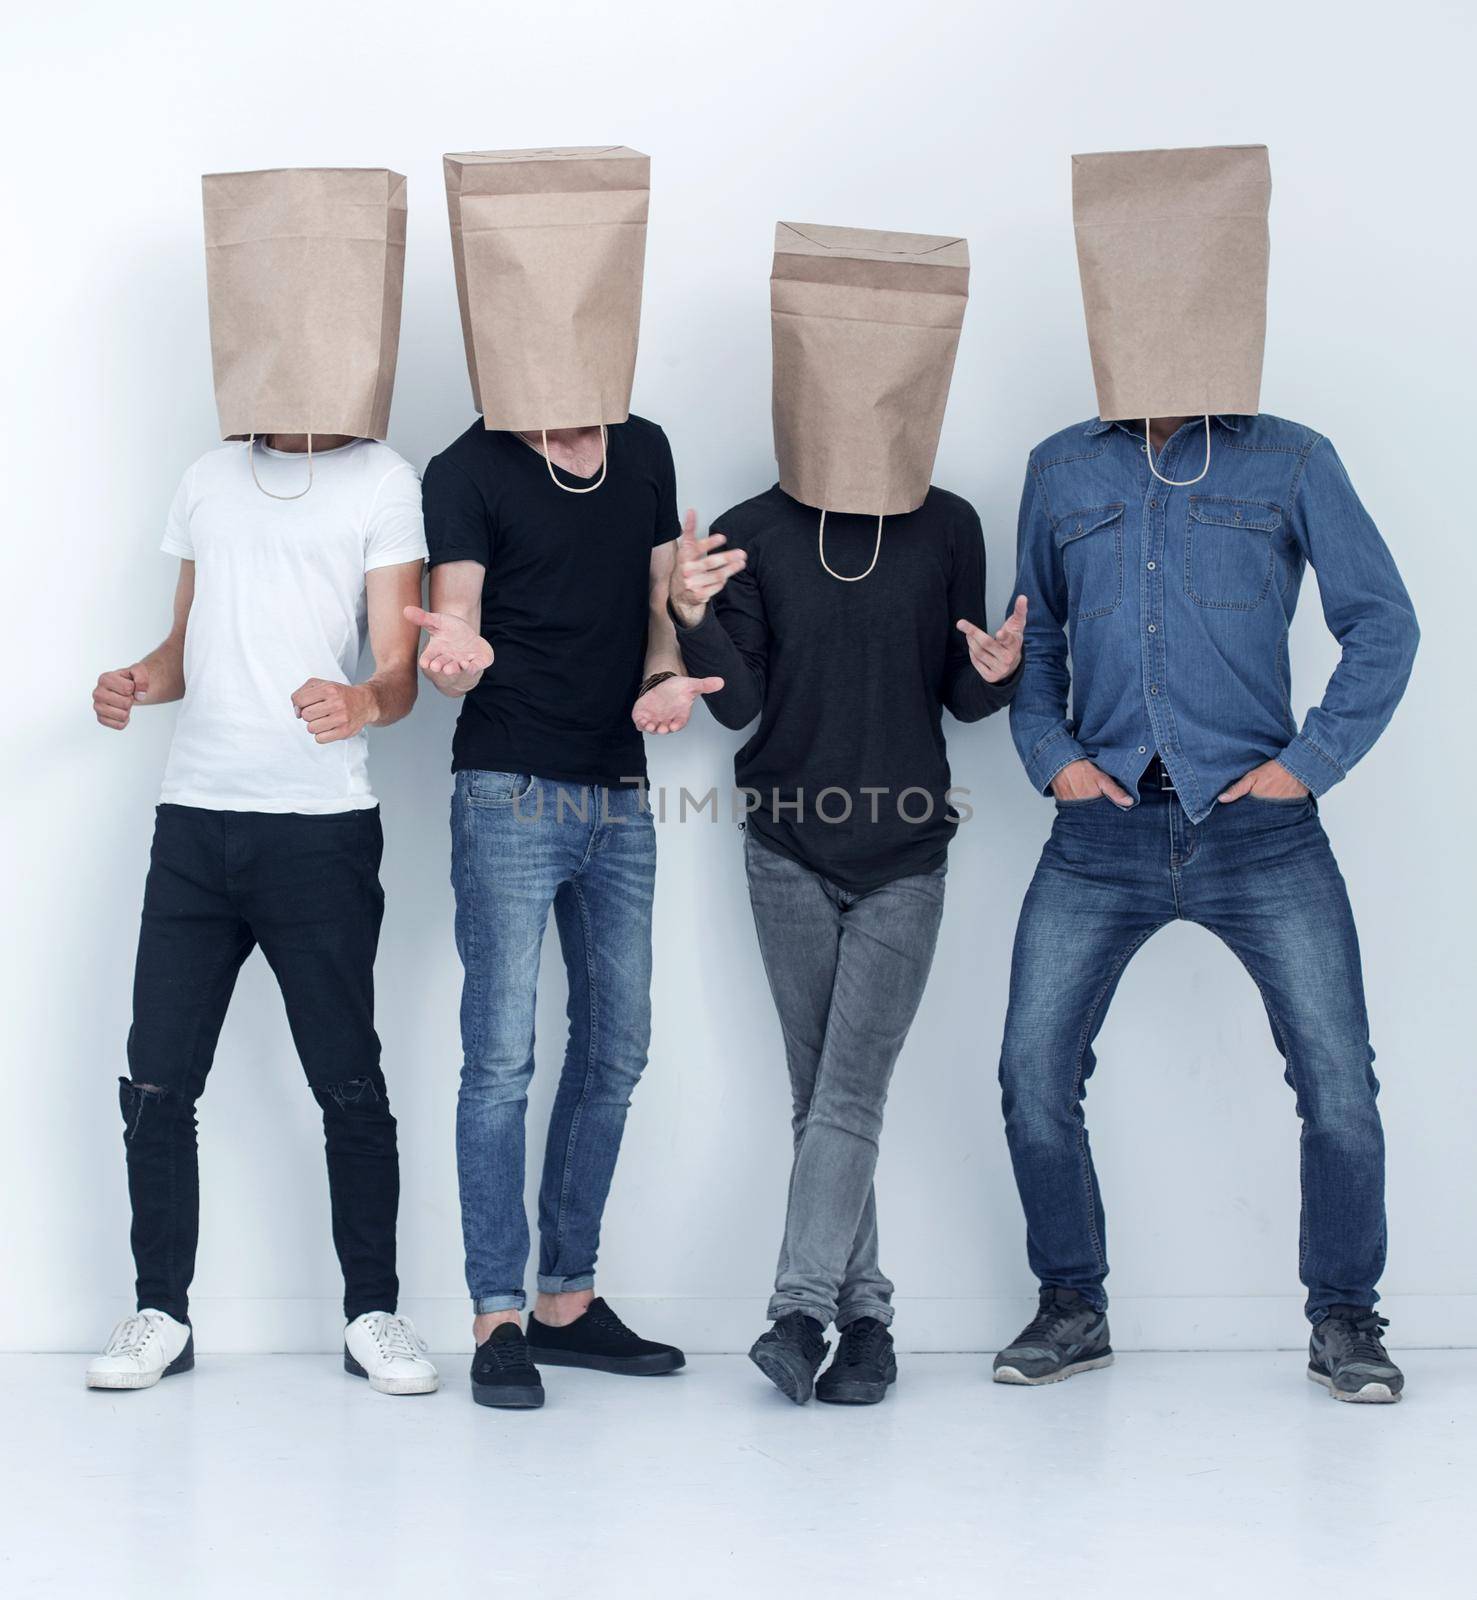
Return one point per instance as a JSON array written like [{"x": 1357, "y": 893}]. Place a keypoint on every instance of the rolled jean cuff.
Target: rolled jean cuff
[
  {"x": 484, "y": 1304},
  {"x": 878, "y": 1310},
  {"x": 547, "y": 1285},
  {"x": 783, "y": 1306}
]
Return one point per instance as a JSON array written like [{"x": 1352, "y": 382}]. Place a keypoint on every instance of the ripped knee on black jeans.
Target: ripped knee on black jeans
[
  {"x": 134, "y": 1099},
  {"x": 353, "y": 1093}
]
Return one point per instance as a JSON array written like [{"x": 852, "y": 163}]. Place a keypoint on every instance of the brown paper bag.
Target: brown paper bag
[
  {"x": 1172, "y": 248},
  {"x": 304, "y": 267},
  {"x": 550, "y": 248},
  {"x": 865, "y": 328}
]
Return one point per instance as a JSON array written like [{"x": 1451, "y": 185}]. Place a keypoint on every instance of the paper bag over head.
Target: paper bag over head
[
  {"x": 550, "y": 249},
  {"x": 865, "y": 327},
  {"x": 1172, "y": 249},
  {"x": 304, "y": 267}
]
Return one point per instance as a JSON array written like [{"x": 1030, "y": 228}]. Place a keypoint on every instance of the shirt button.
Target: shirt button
[
  {"x": 1151, "y": 566},
  {"x": 1143, "y": 447},
  {"x": 1153, "y": 688},
  {"x": 1143, "y": 749},
  {"x": 1152, "y": 628},
  {"x": 1153, "y": 505}
]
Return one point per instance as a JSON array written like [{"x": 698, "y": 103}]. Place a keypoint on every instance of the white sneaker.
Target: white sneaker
[
  {"x": 388, "y": 1351},
  {"x": 142, "y": 1349}
]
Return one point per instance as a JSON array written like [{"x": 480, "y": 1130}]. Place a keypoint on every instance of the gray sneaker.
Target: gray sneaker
[
  {"x": 1347, "y": 1356},
  {"x": 1066, "y": 1336}
]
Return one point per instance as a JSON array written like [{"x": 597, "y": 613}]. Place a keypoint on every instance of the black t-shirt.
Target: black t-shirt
[
  {"x": 848, "y": 680},
  {"x": 565, "y": 600}
]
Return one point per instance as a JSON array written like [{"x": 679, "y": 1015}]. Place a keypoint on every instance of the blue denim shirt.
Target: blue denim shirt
[{"x": 1176, "y": 602}]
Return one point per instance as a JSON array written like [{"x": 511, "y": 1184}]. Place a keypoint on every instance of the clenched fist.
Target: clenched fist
[
  {"x": 699, "y": 572},
  {"x": 333, "y": 711},
  {"x": 116, "y": 695}
]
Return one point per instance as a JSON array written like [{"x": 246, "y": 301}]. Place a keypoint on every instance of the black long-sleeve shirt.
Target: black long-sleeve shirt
[{"x": 848, "y": 680}]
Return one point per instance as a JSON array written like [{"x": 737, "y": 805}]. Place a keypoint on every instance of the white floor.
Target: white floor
[{"x": 1199, "y": 1475}]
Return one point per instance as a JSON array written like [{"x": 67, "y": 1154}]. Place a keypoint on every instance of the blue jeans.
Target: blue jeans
[
  {"x": 519, "y": 846},
  {"x": 1260, "y": 875},
  {"x": 847, "y": 972}
]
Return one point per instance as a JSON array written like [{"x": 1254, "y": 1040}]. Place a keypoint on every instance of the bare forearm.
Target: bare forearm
[
  {"x": 165, "y": 665},
  {"x": 390, "y": 692},
  {"x": 662, "y": 652}
]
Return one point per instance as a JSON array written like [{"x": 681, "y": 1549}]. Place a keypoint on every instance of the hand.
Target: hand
[
  {"x": 666, "y": 708},
  {"x": 997, "y": 655},
  {"x": 453, "y": 646},
  {"x": 116, "y": 695},
  {"x": 333, "y": 711},
  {"x": 1082, "y": 780},
  {"x": 1270, "y": 781},
  {"x": 699, "y": 574}
]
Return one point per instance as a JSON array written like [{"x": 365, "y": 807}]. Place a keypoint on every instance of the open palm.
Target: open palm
[
  {"x": 452, "y": 645},
  {"x": 666, "y": 708}
]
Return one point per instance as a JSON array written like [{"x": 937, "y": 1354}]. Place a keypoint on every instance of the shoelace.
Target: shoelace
[
  {"x": 396, "y": 1337},
  {"x": 131, "y": 1336},
  {"x": 602, "y": 1316},
  {"x": 793, "y": 1324},
  {"x": 1048, "y": 1322},
  {"x": 859, "y": 1345},
  {"x": 506, "y": 1354},
  {"x": 1364, "y": 1333}
]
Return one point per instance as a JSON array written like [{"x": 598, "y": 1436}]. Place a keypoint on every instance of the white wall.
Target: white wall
[{"x": 932, "y": 117}]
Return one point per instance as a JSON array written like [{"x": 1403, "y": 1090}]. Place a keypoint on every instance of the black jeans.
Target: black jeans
[{"x": 306, "y": 889}]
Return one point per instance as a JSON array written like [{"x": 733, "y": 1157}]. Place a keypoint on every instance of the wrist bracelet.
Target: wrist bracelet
[{"x": 648, "y": 684}]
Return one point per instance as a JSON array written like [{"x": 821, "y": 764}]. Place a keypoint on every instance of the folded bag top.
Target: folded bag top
[
  {"x": 304, "y": 268},
  {"x": 1172, "y": 248},
  {"x": 550, "y": 250},
  {"x": 865, "y": 326}
]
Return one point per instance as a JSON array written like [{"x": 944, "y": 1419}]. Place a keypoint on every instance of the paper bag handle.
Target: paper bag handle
[
  {"x": 840, "y": 577},
  {"x": 1177, "y": 483},
  {"x": 589, "y": 488},
  {"x": 251, "y": 454}
]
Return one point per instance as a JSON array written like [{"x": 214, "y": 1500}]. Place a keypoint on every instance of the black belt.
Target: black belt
[{"x": 1156, "y": 778}]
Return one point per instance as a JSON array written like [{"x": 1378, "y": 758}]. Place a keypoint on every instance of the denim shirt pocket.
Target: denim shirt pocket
[
  {"x": 1230, "y": 554},
  {"x": 1090, "y": 542}
]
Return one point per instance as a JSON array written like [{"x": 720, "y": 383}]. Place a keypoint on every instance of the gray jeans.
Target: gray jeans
[{"x": 847, "y": 972}]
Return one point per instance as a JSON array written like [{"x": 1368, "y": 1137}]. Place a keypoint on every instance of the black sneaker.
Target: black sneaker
[
  {"x": 502, "y": 1374},
  {"x": 863, "y": 1368},
  {"x": 601, "y": 1341},
  {"x": 1066, "y": 1336},
  {"x": 1347, "y": 1356},
  {"x": 790, "y": 1355}
]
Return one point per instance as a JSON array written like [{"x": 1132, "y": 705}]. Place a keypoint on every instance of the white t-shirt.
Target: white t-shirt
[{"x": 279, "y": 599}]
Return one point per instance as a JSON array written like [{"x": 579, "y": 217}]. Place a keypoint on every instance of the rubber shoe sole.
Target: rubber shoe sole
[
  {"x": 527, "y": 1397},
  {"x": 1372, "y": 1394},
  {"x": 648, "y": 1366},
  {"x": 183, "y": 1362},
  {"x": 390, "y": 1385},
  {"x": 1015, "y": 1375},
  {"x": 853, "y": 1391},
  {"x": 787, "y": 1370}
]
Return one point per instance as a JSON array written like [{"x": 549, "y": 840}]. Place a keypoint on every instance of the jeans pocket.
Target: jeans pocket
[{"x": 493, "y": 788}]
